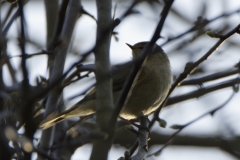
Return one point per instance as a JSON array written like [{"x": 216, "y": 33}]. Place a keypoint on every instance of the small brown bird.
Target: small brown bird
[{"x": 147, "y": 93}]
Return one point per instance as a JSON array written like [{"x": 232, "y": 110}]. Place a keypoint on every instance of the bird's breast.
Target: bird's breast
[{"x": 147, "y": 93}]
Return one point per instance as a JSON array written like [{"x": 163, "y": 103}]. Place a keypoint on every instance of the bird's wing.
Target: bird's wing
[{"x": 119, "y": 75}]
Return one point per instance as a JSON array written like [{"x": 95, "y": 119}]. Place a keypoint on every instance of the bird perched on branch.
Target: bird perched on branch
[{"x": 146, "y": 94}]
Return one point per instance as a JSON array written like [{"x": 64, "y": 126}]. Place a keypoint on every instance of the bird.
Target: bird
[{"x": 147, "y": 93}]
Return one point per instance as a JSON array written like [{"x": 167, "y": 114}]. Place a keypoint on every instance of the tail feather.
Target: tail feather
[
  {"x": 77, "y": 110},
  {"x": 51, "y": 120}
]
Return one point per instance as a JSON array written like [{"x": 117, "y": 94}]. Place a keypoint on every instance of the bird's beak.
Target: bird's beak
[{"x": 130, "y": 46}]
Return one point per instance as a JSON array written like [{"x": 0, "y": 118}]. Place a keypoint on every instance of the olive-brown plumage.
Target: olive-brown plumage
[{"x": 145, "y": 96}]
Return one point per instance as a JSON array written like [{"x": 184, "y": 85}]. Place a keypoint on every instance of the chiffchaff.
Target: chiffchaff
[{"x": 146, "y": 94}]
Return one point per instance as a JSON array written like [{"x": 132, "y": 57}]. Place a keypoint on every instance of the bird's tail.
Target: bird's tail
[
  {"x": 79, "y": 110},
  {"x": 52, "y": 119}
]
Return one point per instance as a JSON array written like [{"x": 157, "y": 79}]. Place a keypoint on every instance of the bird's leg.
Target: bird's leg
[{"x": 140, "y": 127}]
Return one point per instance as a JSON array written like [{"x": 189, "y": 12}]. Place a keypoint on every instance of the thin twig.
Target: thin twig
[
  {"x": 202, "y": 91},
  {"x": 43, "y": 52},
  {"x": 200, "y": 81},
  {"x": 14, "y": 16},
  {"x": 7, "y": 14},
  {"x": 201, "y": 25},
  {"x": 181, "y": 127}
]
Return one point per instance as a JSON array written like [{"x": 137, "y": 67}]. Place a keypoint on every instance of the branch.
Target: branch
[
  {"x": 4, "y": 60},
  {"x": 43, "y": 52},
  {"x": 43, "y": 154},
  {"x": 200, "y": 81},
  {"x": 80, "y": 141},
  {"x": 104, "y": 97},
  {"x": 203, "y": 91},
  {"x": 83, "y": 68},
  {"x": 14, "y": 16},
  {"x": 22, "y": 46},
  {"x": 157, "y": 138},
  {"x": 59, "y": 61},
  {"x": 203, "y": 23},
  {"x": 9, "y": 12},
  {"x": 181, "y": 127},
  {"x": 142, "y": 140},
  {"x": 52, "y": 8}
]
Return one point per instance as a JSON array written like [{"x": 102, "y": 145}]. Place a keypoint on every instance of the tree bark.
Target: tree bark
[
  {"x": 104, "y": 85},
  {"x": 58, "y": 66}
]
